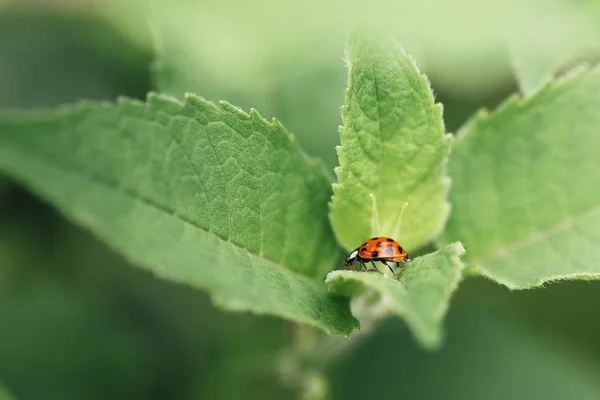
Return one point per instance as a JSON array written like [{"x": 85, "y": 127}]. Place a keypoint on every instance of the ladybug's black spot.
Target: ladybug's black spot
[
  {"x": 400, "y": 249},
  {"x": 363, "y": 249},
  {"x": 389, "y": 240},
  {"x": 374, "y": 238},
  {"x": 374, "y": 253},
  {"x": 378, "y": 244},
  {"x": 389, "y": 245}
]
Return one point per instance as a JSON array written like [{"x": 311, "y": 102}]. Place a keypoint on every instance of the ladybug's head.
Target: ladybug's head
[{"x": 351, "y": 259}]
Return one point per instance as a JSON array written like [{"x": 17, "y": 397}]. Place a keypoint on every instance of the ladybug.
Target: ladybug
[{"x": 382, "y": 249}]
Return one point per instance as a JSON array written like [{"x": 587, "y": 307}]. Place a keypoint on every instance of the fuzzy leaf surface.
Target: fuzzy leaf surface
[{"x": 393, "y": 146}]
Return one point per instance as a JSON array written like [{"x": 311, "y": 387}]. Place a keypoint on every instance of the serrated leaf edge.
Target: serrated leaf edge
[
  {"x": 152, "y": 97},
  {"x": 447, "y": 137}
]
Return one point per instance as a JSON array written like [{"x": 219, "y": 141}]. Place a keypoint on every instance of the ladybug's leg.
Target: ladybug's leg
[
  {"x": 364, "y": 267},
  {"x": 388, "y": 265},
  {"x": 373, "y": 264},
  {"x": 351, "y": 267}
]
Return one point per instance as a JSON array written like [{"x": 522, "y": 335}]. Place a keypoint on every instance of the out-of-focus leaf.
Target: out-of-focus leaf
[
  {"x": 286, "y": 61},
  {"x": 534, "y": 69},
  {"x": 56, "y": 345},
  {"x": 183, "y": 352},
  {"x": 565, "y": 312},
  {"x": 236, "y": 44},
  {"x": 305, "y": 95},
  {"x": 525, "y": 195},
  {"x": 199, "y": 194},
  {"x": 421, "y": 294},
  {"x": 48, "y": 58},
  {"x": 393, "y": 147},
  {"x": 5, "y": 394},
  {"x": 483, "y": 358},
  {"x": 198, "y": 354}
]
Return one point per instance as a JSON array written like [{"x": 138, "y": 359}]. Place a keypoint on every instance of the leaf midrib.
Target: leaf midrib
[
  {"x": 536, "y": 237},
  {"x": 380, "y": 131}
]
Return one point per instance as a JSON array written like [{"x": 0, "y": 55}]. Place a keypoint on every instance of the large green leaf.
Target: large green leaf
[
  {"x": 393, "y": 147},
  {"x": 420, "y": 295},
  {"x": 526, "y": 186},
  {"x": 199, "y": 194}
]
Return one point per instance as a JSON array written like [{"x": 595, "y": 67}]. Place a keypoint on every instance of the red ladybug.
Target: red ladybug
[{"x": 381, "y": 249}]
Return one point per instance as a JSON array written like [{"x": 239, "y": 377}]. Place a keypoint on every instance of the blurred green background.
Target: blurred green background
[{"x": 77, "y": 322}]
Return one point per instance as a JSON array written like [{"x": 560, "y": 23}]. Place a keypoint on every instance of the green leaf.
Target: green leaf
[
  {"x": 420, "y": 295},
  {"x": 393, "y": 146},
  {"x": 199, "y": 194},
  {"x": 526, "y": 179}
]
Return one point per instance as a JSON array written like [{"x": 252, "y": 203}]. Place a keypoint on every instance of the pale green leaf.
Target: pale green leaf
[
  {"x": 535, "y": 66},
  {"x": 204, "y": 195},
  {"x": 304, "y": 95},
  {"x": 420, "y": 295},
  {"x": 532, "y": 69},
  {"x": 526, "y": 186},
  {"x": 393, "y": 147},
  {"x": 233, "y": 43}
]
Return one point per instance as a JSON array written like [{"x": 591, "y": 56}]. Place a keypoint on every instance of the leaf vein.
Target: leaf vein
[
  {"x": 537, "y": 236},
  {"x": 212, "y": 146}
]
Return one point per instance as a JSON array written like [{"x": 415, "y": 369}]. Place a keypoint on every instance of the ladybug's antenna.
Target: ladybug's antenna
[
  {"x": 374, "y": 216},
  {"x": 397, "y": 228}
]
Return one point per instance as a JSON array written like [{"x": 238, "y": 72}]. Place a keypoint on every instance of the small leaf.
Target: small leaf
[
  {"x": 532, "y": 69},
  {"x": 199, "y": 194},
  {"x": 420, "y": 295},
  {"x": 536, "y": 59},
  {"x": 393, "y": 147},
  {"x": 526, "y": 186},
  {"x": 535, "y": 66}
]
